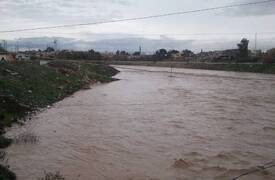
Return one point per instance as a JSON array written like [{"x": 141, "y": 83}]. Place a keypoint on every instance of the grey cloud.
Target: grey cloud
[{"x": 61, "y": 11}]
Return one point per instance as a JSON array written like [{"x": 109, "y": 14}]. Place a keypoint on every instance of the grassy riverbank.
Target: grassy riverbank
[
  {"x": 242, "y": 67},
  {"x": 26, "y": 87}
]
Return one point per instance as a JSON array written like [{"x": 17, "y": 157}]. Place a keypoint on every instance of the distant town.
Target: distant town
[{"x": 241, "y": 54}]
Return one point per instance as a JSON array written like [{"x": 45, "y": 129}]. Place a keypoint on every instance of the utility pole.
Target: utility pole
[
  {"x": 17, "y": 46},
  {"x": 171, "y": 68},
  {"x": 5, "y": 45},
  {"x": 256, "y": 39},
  {"x": 55, "y": 44}
]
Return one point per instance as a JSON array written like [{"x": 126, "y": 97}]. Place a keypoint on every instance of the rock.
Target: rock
[
  {"x": 14, "y": 73},
  {"x": 180, "y": 163},
  {"x": 61, "y": 87},
  {"x": 87, "y": 86},
  {"x": 5, "y": 72}
]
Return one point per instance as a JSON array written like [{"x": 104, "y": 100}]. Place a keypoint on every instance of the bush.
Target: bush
[{"x": 4, "y": 142}]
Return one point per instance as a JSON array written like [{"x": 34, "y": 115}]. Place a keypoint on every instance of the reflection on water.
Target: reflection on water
[{"x": 195, "y": 125}]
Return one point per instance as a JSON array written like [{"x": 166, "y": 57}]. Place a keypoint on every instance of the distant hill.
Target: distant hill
[{"x": 131, "y": 44}]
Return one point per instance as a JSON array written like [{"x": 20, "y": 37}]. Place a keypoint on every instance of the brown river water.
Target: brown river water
[{"x": 196, "y": 124}]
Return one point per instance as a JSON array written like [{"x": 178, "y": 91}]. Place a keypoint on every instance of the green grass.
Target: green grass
[
  {"x": 25, "y": 86},
  {"x": 38, "y": 86}
]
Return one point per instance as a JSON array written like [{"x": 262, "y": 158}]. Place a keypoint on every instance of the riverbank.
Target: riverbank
[
  {"x": 26, "y": 87},
  {"x": 149, "y": 125},
  {"x": 237, "y": 67}
]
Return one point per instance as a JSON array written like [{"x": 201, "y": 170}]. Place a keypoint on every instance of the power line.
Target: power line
[
  {"x": 207, "y": 34},
  {"x": 139, "y": 18},
  {"x": 170, "y": 34}
]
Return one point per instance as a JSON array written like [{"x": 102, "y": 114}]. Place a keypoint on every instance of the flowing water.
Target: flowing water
[{"x": 195, "y": 124}]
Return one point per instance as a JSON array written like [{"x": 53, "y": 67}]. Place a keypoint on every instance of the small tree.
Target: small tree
[
  {"x": 49, "y": 49},
  {"x": 91, "y": 52},
  {"x": 243, "y": 48},
  {"x": 124, "y": 53},
  {"x": 137, "y": 53},
  {"x": 161, "y": 54},
  {"x": 117, "y": 52},
  {"x": 187, "y": 53}
]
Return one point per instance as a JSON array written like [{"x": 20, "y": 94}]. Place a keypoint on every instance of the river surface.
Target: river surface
[{"x": 195, "y": 124}]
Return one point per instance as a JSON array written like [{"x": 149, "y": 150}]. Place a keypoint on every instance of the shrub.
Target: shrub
[
  {"x": 4, "y": 142},
  {"x": 6, "y": 174}
]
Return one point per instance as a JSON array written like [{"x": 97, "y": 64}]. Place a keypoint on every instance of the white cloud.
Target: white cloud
[{"x": 20, "y": 14}]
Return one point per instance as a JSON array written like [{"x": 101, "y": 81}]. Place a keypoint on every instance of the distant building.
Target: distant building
[
  {"x": 22, "y": 57},
  {"x": 7, "y": 57},
  {"x": 229, "y": 55},
  {"x": 256, "y": 53}
]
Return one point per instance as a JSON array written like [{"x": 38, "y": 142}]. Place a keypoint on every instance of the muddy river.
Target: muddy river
[{"x": 192, "y": 124}]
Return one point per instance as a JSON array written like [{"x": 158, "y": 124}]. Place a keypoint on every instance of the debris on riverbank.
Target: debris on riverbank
[
  {"x": 180, "y": 163},
  {"x": 52, "y": 176},
  {"x": 26, "y": 138},
  {"x": 26, "y": 87}
]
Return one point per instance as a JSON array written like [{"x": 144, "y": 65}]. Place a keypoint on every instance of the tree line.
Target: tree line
[{"x": 240, "y": 54}]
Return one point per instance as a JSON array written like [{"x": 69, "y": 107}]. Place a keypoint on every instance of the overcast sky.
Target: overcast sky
[{"x": 17, "y": 14}]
